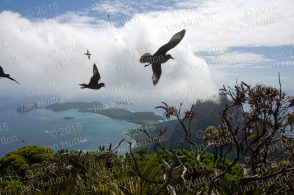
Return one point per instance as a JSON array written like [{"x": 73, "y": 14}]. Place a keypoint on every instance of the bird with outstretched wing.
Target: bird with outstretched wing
[
  {"x": 94, "y": 81},
  {"x": 161, "y": 56},
  {"x": 2, "y": 74},
  {"x": 88, "y": 54}
]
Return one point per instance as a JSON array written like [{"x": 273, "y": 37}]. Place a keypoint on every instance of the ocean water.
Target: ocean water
[{"x": 86, "y": 131}]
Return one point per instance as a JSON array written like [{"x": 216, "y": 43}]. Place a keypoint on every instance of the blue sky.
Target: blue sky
[
  {"x": 226, "y": 40},
  {"x": 42, "y": 8},
  {"x": 33, "y": 8},
  {"x": 280, "y": 59}
]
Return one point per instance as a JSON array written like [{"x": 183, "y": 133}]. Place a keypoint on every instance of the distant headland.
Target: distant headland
[{"x": 97, "y": 107}]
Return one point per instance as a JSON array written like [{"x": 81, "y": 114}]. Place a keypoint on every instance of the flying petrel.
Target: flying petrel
[
  {"x": 94, "y": 81},
  {"x": 160, "y": 55},
  {"x": 2, "y": 74},
  {"x": 88, "y": 54}
]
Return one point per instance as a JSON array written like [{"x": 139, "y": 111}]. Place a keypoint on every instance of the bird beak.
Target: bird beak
[{"x": 172, "y": 58}]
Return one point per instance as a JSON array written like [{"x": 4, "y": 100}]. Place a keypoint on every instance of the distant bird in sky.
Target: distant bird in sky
[
  {"x": 88, "y": 54},
  {"x": 94, "y": 81},
  {"x": 2, "y": 74},
  {"x": 160, "y": 55}
]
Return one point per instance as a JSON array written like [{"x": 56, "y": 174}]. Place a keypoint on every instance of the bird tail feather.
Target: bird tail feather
[
  {"x": 83, "y": 86},
  {"x": 146, "y": 58}
]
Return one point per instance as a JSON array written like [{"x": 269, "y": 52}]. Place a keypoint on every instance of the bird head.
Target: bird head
[
  {"x": 102, "y": 84},
  {"x": 169, "y": 56}
]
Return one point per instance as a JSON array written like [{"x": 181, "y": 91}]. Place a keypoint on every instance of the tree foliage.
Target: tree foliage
[{"x": 249, "y": 152}]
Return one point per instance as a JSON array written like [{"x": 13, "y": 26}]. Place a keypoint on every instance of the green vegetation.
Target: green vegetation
[
  {"x": 246, "y": 152},
  {"x": 100, "y": 172},
  {"x": 17, "y": 162}
]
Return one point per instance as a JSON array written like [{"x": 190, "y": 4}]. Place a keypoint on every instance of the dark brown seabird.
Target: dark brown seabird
[
  {"x": 94, "y": 81},
  {"x": 160, "y": 55},
  {"x": 2, "y": 74},
  {"x": 88, "y": 54}
]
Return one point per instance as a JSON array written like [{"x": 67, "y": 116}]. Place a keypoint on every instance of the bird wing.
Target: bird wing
[
  {"x": 156, "y": 68},
  {"x": 1, "y": 70},
  {"x": 95, "y": 70},
  {"x": 96, "y": 76},
  {"x": 174, "y": 41},
  {"x": 13, "y": 80}
]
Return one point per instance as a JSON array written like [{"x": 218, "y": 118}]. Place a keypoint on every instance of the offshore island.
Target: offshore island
[{"x": 140, "y": 118}]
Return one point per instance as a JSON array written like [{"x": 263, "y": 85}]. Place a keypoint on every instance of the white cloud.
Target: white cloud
[
  {"x": 114, "y": 7},
  {"x": 230, "y": 15},
  {"x": 214, "y": 21},
  {"x": 61, "y": 45},
  {"x": 237, "y": 60}
]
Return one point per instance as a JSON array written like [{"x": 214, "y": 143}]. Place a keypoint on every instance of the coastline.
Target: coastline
[{"x": 121, "y": 114}]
